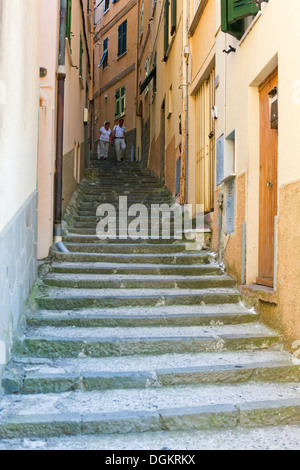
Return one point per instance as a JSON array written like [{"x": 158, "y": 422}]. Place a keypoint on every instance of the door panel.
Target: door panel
[
  {"x": 267, "y": 184},
  {"x": 205, "y": 144}
]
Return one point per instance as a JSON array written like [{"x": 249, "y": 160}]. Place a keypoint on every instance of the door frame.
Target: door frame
[{"x": 262, "y": 278}]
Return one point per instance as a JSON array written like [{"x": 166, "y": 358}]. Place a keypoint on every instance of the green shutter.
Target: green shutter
[
  {"x": 239, "y": 9},
  {"x": 166, "y": 27},
  {"x": 173, "y": 16},
  {"x": 69, "y": 17},
  {"x": 236, "y": 29}
]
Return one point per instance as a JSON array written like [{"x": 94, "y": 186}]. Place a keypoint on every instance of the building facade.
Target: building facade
[
  {"x": 19, "y": 105},
  {"x": 257, "y": 167},
  {"x": 78, "y": 96},
  {"x": 115, "y": 77}
]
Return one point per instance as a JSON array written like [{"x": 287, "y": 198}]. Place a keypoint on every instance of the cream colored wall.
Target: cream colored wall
[
  {"x": 169, "y": 73},
  {"x": 75, "y": 96},
  {"x": 46, "y": 162},
  {"x": 269, "y": 43},
  {"x": 19, "y": 104},
  {"x": 203, "y": 49},
  {"x": 75, "y": 102}
]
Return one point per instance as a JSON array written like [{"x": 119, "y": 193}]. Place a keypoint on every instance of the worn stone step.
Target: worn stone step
[
  {"x": 80, "y": 233},
  {"x": 156, "y": 231},
  {"x": 132, "y": 281},
  {"x": 151, "y": 259},
  {"x": 142, "y": 220},
  {"x": 129, "y": 411},
  {"x": 32, "y": 376},
  {"x": 126, "y": 189},
  {"x": 180, "y": 315},
  {"x": 142, "y": 193},
  {"x": 81, "y": 246},
  {"x": 66, "y": 298},
  {"x": 142, "y": 269},
  {"x": 103, "y": 342},
  {"x": 263, "y": 438},
  {"x": 83, "y": 206}
]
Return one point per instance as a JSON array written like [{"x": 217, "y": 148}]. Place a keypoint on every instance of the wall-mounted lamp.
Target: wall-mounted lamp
[
  {"x": 259, "y": 2},
  {"x": 231, "y": 49},
  {"x": 43, "y": 72},
  {"x": 214, "y": 112}
]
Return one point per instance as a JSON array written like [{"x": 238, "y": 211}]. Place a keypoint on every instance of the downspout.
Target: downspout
[
  {"x": 61, "y": 76},
  {"x": 187, "y": 131}
]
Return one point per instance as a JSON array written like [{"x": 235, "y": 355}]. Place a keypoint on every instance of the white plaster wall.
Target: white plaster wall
[
  {"x": 19, "y": 103},
  {"x": 273, "y": 40}
]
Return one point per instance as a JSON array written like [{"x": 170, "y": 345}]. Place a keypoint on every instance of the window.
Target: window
[
  {"x": 233, "y": 13},
  {"x": 80, "y": 56},
  {"x": 142, "y": 20},
  {"x": 166, "y": 28},
  {"x": 106, "y": 5},
  {"x": 120, "y": 102},
  {"x": 122, "y": 44},
  {"x": 147, "y": 70},
  {"x": 170, "y": 23},
  {"x": 173, "y": 16},
  {"x": 68, "y": 22},
  {"x": 104, "y": 58}
]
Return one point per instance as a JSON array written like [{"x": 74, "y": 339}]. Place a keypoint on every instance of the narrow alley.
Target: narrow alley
[
  {"x": 127, "y": 337},
  {"x": 149, "y": 227}
]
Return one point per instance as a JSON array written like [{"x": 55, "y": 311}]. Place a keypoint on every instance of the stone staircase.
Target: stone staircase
[{"x": 141, "y": 341}]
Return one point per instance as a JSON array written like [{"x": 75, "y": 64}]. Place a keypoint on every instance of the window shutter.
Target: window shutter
[
  {"x": 68, "y": 21},
  {"x": 173, "y": 16},
  {"x": 239, "y": 9},
  {"x": 235, "y": 29},
  {"x": 120, "y": 40},
  {"x": 166, "y": 27},
  {"x": 124, "y": 37}
]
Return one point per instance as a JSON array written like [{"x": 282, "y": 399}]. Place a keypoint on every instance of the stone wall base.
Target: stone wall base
[{"x": 18, "y": 271}]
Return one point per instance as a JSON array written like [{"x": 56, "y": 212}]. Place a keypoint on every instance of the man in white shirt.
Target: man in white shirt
[{"x": 119, "y": 136}]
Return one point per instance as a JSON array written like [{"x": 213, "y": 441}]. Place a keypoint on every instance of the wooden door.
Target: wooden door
[
  {"x": 267, "y": 184},
  {"x": 205, "y": 144}
]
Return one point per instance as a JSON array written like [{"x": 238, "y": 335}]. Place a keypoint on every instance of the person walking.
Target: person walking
[
  {"x": 119, "y": 137},
  {"x": 104, "y": 140}
]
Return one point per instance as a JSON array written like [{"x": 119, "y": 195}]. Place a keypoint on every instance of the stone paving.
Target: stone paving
[{"x": 143, "y": 345}]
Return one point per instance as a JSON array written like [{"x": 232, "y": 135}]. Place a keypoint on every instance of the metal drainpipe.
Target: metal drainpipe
[
  {"x": 221, "y": 206},
  {"x": 61, "y": 76},
  {"x": 187, "y": 131}
]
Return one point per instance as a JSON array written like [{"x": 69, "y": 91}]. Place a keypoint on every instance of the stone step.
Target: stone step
[
  {"x": 103, "y": 342},
  {"x": 83, "y": 206},
  {"x": 187, "y": 259},
  {"x": 142, "y": 269},
  {"x": 119, "y": 190},
  {"x": 180, "y": 315},
  {"x": 34, "y": 376},
  {"x": 263, "y": 438},
  {"x": 91, "y": 212},
  {"x": 129, "y": 411},
  {"x": 155, "y": 230},
  {"x": 95, "y": 218},
  {"x": 131, "y": 281},
  {"x": 51, "y": 298},
  {"x": 83, "y": 232},
  {"x": 80, "y": 245}
]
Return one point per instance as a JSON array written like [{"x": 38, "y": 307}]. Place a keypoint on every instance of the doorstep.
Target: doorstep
[{"x": 262, "y": 293}]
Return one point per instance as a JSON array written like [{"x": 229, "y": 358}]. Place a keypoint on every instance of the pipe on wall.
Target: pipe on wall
[{"x": 61, "y": 77}]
